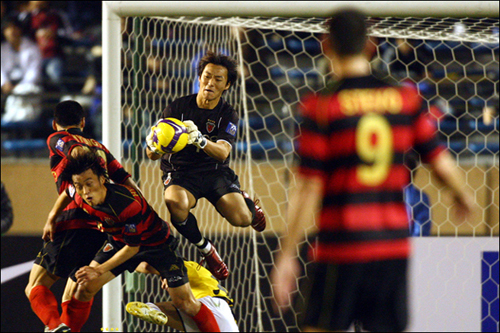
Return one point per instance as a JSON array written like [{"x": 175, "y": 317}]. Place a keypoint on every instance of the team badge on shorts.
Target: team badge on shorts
[
  {"x": 210, "y": 125},
  {"x": 167, "y": 181}
]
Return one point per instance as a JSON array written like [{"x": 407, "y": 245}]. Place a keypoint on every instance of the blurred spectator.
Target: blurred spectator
[
  {"x": 407, "y": 59},
  {"x": 47, "y": 28},
  {"x": 7, "y": 213},
  {"x": 20, "y": 74}
]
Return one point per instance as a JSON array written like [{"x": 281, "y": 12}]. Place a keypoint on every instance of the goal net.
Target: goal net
[{"x": 452, "y": 61}]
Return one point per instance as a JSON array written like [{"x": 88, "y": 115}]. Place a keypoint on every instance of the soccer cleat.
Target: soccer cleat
[
  {"x": 259, "y": 220},
  {"x": 215, "y": 264},
  {"x": 61, "y": 328},
  {"x": 146, "y": 313}
]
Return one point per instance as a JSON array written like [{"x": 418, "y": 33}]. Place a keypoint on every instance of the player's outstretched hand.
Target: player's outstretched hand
[
  {"x": 48, "y": 230},
  {"x": 197, "y": 139},
  {"x": 191, "y": 126},
  {"x": 283, "y": 280},
  {"x": 150, "y": 142},
  {"x": 86, "y": 274},
  {"x": 164, "y": 284}
]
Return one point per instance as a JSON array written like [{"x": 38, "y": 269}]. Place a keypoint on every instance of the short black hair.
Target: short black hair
[
  {"x": 347, "y": 32},
  {"x": 68, "y": 113},
  {"x": 9, "y": 20},
  {"x": 220, "y": 59},
  {"x": 89, "y": 159}
]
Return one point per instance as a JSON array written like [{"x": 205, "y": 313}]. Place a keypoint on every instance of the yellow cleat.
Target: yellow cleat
[{"x": 146, "y": 313}]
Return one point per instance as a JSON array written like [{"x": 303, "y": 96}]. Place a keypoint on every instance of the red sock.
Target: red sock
[
  {"x": 44, "y": 304},
  {"x": 205, "y": 320},
  {"x": 75, "y": 313}
]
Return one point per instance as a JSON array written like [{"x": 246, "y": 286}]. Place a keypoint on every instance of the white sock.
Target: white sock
[{"x": 205, "y": 249}]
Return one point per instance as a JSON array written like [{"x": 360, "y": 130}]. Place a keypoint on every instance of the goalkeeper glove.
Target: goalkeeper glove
[
  {"x": 197, "y": 139},
  {"x": 150, "y": 142},
  {"x": 191, "y": 126}
]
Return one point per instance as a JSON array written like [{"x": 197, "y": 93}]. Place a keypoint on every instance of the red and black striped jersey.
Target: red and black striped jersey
[
  {"x": 126, "y": 216},
  {"x": 60, "y": 145},
  {"x": 354, "y": 136}
]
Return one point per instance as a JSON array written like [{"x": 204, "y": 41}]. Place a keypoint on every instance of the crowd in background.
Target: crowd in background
[{"x": 50, "y": 51}]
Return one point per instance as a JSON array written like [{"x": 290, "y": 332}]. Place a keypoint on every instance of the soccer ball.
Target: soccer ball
[{"x": 170, "y": 135}]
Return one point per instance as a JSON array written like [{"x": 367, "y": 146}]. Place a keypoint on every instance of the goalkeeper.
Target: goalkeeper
[
  {"x": 205, "y": 288},
  {"x": 201, "y": 170}
]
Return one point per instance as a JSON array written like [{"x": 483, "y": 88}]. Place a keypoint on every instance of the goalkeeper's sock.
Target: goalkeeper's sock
[
  {"x": 204, "y": 246},
  {"x": 205, "y": 320},
  {"x": 75, "y": 313},
  {"x": 44, "y": 304},
  {"x": 251, "y": 206},
  {"x": 189, "y": 229}
]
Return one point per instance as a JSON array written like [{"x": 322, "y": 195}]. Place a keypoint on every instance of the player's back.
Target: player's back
[{"x": 354, "y": 136}]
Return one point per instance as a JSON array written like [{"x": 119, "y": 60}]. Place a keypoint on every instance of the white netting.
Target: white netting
[{"x": 454, "y": 63}]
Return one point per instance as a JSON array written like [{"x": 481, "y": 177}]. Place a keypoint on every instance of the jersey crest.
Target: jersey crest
[{"x": 210, "y": 125}]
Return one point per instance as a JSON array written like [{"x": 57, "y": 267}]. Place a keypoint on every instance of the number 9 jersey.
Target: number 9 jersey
[{"x": 353, "y": 137}]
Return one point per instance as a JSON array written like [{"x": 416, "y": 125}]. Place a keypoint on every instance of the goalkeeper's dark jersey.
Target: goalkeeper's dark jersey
[
  {"x": 60, "y": 145},
  {"x": 126, "y": 216},
  {"x": 354, "y": 136},
  {"x": 217, "y": 124}
]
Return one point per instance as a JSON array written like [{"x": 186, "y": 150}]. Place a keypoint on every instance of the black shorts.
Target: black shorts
[
  {"x": 70, "y": 250},
  {"x": 165, "y": 258},
  {"x": 373, "y": 294},
  {"x": 211, "y": 185}
]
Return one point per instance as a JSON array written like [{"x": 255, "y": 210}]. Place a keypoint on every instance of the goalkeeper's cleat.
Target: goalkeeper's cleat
[
  {"x": 259, "y": 220},
  {"x": 146, "y": 313},
  {"x": 215, "y": 264}
]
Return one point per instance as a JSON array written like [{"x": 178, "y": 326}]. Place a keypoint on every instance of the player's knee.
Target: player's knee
[
  {"x": 27, "y": 290},
  {"x": 84, "y": 293},
  {"x": 178, "y": 210}
]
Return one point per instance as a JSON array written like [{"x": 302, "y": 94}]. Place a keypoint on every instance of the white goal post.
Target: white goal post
[{"x": 114, "y": 11}]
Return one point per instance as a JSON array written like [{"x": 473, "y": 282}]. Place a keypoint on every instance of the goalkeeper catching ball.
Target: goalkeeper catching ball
[{"x": 201, "y": 170}]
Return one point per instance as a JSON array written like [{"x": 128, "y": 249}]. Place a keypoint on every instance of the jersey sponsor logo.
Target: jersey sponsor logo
[
  {"x": 108, "y": 247},
  {"x": 210, "y": 125},
  {"x": 130, "y": 228},
  {"x": 231, "y": 129},
  {"x": 60, "y": 145}
]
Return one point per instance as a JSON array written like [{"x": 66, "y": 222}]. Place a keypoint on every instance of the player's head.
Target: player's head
[
  {"x": 12, "y": 29},
  {"x": 88, "y": 175},
  {"x": 69, "y": 114},
  {"x": 216, "y": 73},
  {"x": 347, "y": 32}
]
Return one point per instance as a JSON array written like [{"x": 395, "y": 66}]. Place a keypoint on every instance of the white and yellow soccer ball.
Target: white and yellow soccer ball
[{"x": 170, "y": 135}]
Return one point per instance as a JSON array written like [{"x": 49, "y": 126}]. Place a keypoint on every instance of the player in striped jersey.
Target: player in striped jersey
[
  {"x": 135, "y": 234},
  {"x": 205, "y": 288},
  {"x": 73, "y": 240},
  {"x": 353, "y": 139}
]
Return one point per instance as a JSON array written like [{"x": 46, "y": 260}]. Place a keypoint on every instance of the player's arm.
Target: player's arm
[
  {"x": 219, "y": 150},
  {"x": 50, "y": 226},
  {"x": 87, "y": 273},
  {"x": 304, "y": 202},
  {"x": 445, "y": 169}
]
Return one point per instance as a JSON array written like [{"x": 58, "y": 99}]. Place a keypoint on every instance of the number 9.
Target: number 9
[{"x": 374, "y": 145}]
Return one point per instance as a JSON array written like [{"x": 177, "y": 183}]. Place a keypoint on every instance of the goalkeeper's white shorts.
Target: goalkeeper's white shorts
[{"x": 222, "y": 313}]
